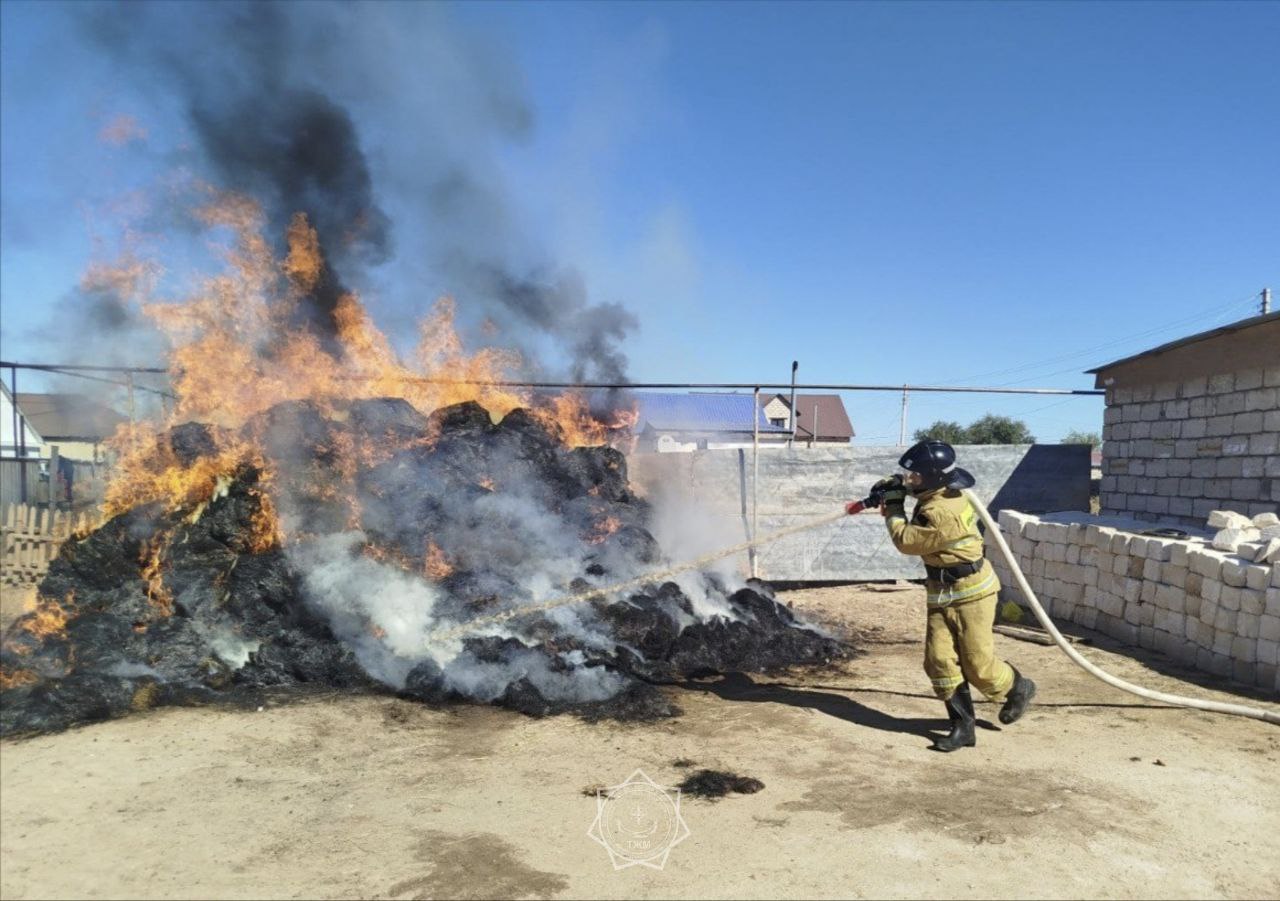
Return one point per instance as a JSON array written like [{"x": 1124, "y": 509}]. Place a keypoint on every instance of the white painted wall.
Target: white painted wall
[{"x": 8, "y": 446}]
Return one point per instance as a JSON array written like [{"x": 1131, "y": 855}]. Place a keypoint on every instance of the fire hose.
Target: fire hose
[{"x": 993, "y": 530}]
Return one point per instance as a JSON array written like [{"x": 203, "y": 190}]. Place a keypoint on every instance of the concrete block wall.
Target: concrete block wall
[
  {"x": 1201, "y": 607},
  {"x": 1177, "y": 450},
  {"x": 714, "y": 489}
]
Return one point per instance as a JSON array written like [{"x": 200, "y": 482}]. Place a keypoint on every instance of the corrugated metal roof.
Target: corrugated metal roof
[
  {"x": 68, "y": 417},
  {"x": 696, "y": 412},
  {"x": 1190, "y": 339}
]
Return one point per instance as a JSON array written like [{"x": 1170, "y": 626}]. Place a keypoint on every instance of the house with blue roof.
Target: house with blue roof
[{"x": 670, "y": 422}]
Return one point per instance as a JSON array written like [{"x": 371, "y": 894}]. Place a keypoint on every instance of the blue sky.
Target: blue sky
[{"x": 955, "y": 193}]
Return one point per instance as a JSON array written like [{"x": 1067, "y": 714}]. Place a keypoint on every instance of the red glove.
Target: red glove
[{"x": 853, "y": 507}]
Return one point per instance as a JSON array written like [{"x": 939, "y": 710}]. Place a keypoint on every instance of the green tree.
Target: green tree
[
  {"x": 950, "y": 432},
  {"x": 1093, "y": 439},
  {"x": 992, "y": 429}
]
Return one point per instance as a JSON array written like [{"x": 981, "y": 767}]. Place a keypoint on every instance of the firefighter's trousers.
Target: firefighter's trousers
[{"x": 959, "y": 646}]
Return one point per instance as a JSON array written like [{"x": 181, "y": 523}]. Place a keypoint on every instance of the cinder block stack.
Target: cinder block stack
[{"x": 1208, "y": 608}]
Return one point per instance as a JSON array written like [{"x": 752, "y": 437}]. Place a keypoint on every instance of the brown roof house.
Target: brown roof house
[
  {"x": 1194, "y": 425},
  {"x": 76, "y": 423},
  {"x": 820, "y": 418}
]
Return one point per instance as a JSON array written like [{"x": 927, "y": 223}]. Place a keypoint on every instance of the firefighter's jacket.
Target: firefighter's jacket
[{"x": 943, "y": 532}]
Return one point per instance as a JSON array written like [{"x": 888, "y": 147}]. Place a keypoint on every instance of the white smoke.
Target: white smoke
[
  {"x": 387, "y": 616},
  {"x": 381, "y": 612},
  {"x": 686, "y": 530},
  {"x": 486, "y": 680}
]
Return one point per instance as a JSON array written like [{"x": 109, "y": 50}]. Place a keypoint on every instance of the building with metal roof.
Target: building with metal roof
[
  {"x": 699, "y": 421},
  {"x": 1193, "y": 425}
]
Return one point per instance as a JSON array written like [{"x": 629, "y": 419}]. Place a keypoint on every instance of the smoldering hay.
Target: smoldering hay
[{"x": 400, "y": 526}]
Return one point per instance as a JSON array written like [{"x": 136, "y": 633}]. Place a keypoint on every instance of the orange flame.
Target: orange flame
[
  {"x": 238, "y": 351},
  {"x": 392, "y": 556},
  {"x": 151, "y": 558},
  {"x": 436, "y": 565},
  {"x": 13, "y": 678},
  {"x": 265, "y": 533},
  {"x": 602, "y": 529},
  {"x": 47, "y": 620}
]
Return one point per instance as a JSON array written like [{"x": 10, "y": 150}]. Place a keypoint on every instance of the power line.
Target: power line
[
  {"x": 1172, "y": 324},
  {"x": 98, "y": 378}
]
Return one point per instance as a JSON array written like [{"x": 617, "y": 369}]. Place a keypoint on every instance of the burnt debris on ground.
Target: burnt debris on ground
[
  {"x": 361, "y": 529},
  {"x": 713, "y": 784}
]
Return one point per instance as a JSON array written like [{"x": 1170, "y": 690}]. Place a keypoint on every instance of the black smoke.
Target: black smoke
[
  {"x": 260, "y": 85},
  {"x": 558, "y": 305}
]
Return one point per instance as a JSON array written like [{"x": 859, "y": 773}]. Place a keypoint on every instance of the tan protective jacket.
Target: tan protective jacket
[{"x": 943, "y": 531}]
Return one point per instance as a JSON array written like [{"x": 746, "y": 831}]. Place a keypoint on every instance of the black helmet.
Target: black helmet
[{"x": 935, "y": 461}]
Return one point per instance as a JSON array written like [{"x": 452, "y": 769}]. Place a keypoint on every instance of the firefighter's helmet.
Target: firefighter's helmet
[{"x": 935, "y": 462}]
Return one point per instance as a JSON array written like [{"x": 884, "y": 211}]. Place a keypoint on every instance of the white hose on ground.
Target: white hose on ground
[{"x": 993, "y": 531}]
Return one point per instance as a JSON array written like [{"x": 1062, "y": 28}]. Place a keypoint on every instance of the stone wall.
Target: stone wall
[
  {"x": 1178, "y": 450},
  {"x": 1201, "y": 607}
]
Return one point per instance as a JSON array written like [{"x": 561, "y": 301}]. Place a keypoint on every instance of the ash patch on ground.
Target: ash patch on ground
[
  {"x": 712, "y": 785},
  {"x": 396, "y": 526}
]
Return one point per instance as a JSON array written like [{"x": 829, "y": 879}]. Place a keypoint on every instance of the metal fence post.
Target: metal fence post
[{"x": 755, "y": 481}]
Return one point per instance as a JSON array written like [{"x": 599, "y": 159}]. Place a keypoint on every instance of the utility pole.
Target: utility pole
[
  {"x": 1266, "y": 301},
  {"x": 902, "y": 426}
]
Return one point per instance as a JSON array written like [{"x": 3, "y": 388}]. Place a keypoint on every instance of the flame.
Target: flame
[
  {"x": 602, "y": 529},
  {"x": 151, "y": 559},
  {"x": 265, "y": 533},
  {"x": 47, "y": 620},
  {"x": 625, "y": 420},
  {"x": 16, "y": 677},
  {"x": 240, "y": 346},
  {"x": 436, "y": 565},
  {"x": 486, "y": 483},
  {"x": 389, "y": 555},
  {"x": 150, "y": 471},
  {"x": 304, "y": 265}
]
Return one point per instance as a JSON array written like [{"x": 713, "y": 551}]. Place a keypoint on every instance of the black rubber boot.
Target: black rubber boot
[
  {"x": 960, "y": 712},
  {"x": 1015, "y": 703}
]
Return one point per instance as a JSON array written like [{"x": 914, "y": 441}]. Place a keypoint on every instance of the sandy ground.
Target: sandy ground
[
  {"x": 14, "y": 601},
  {"x": 1092, "y": 794}
]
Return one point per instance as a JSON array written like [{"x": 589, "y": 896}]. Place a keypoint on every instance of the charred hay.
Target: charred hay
[{"x": 395, "y": 524}]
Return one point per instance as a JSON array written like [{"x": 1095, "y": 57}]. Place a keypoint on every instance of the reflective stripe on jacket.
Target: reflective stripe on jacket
[{"x": 943, "y": 531}]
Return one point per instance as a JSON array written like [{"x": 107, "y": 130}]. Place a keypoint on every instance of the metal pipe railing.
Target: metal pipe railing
[{"x": 633, "y": 386}]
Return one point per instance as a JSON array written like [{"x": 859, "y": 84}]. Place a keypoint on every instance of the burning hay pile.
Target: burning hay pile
[
  {"x": 314, "y": 511},
  {"x": 402, "y": 526}
]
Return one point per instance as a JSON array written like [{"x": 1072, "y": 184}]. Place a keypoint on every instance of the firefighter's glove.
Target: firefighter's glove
[
  {"x": 894, "y": 481},
  {"x": 894, "y": 500},
  {"x": 895, "y": 497},
  {"x": 883, "y": 489}
]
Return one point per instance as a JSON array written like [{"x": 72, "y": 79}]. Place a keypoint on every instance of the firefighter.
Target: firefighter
[{"x": 961, "y": 589}]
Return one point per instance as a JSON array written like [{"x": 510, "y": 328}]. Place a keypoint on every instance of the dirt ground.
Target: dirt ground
[
  {"x": 14, "y": 601},
  {"x": 1094, "y": 793}
]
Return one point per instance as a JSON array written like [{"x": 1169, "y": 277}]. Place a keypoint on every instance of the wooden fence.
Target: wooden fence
[{"x": 31, "y": 537}]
